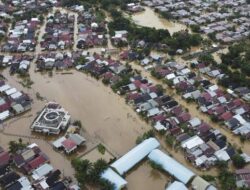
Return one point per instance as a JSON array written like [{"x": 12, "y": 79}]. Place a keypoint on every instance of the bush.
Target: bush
[
  {"x": 101, "y": 148},
  {"x": 238, "y": 161},
  {"x": 208, "y": 177},
  {"x": 145, "y": 136}
]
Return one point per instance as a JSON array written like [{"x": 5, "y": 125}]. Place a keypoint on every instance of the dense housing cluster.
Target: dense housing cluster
[
  {"x": 28, "y": 167},
  {"x": 22, "y": 37},
  {"x": 91, "y": 29},
  {"x": 59, "y": 32},
  {"x": 12, "y": 101}
]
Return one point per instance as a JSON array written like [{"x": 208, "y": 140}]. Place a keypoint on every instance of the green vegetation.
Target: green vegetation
[
  {"x": 15, "y": 146},
  {"x": 179, "y": 40},
  {"x": 236, "y": 65},
  {"x": 208, "y": 177},
  {"x": 155, "y": 165},
  {"x": 145, "y": 136},
  {"x": 227, "y": 180},
  {"x": 195, "y": 28},
  {"x": 77, "y": 123},
  {"x": 208, "y": 59},
  {"x": 170, "y": 140},
  {"x": 101, "y": 148},
  {"x": 90, "y": 174},
  {"x": 238, "y": 161}
]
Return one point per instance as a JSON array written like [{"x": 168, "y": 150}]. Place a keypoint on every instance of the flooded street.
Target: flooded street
[
  {"x": 151, "y": 19},
  {"x": 217, "y": 54}
]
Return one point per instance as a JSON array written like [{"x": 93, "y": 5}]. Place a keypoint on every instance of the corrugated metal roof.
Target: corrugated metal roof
[
  {"x": 114, "y": 178},
  {"x": 126, "y": 162},
  {"x": 171, "y": 166}
]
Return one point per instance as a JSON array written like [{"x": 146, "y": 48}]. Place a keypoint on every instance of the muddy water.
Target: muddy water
[
  {"x": 151, "y": 19},
  {"x": 217, "y": 54},
  {"x": 144, "y": 177}
]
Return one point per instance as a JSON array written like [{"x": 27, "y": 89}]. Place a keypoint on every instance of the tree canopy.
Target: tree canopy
[{"x": 88, "y": 173}]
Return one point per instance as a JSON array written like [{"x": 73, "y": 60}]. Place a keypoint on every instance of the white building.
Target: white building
[
  {"x": 52, "y": 119},
  {"x": 134, "y": 156}
]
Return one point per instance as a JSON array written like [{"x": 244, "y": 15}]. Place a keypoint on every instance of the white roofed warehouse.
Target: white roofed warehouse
[
  {"x": 114, "y": 178},
  {"x": 171, "y": 166},
  {"x": 134, "y": 156}
]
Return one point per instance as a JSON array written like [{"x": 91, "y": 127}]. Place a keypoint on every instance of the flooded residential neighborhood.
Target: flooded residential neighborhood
[{"x": 126, "y": 95}]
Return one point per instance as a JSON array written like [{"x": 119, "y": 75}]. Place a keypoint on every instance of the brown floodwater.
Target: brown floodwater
[
  {"x": 145, "y": 177},
  {"x": 151, "y": 19}
]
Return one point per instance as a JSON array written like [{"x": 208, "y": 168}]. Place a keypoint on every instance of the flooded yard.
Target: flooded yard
[
  {"x": 151, "y": 19},
  {"x": 146, "y": 178},
  {"x": 95, "y": 155}
]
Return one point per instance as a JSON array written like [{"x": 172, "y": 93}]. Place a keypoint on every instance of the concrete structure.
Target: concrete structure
[{"x": 52, "y": 120}]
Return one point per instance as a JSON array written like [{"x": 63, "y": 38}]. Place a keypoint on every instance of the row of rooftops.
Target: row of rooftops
[
  {"x": 34, "y": 171},
  {"x": 17, "y": 63},
  {"x": 48, "y": 61},
  {"x": 12, "y": 101}
]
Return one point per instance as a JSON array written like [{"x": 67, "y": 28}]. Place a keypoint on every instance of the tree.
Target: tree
[
  {"x": 227, "y": 180},
  {"x": 238, "y": 161},
  {"x": 15, "y": 146},
  {"x": 82, "y": 168},
  {"x": 145, "y": 136},
  {"x": 221, "y": 164},
  {"x": 90, "y": 174},
  {"x": 195, "y": 28},
  {"x": 155, "y": 165},
  {"x": 207, "y": 59}
]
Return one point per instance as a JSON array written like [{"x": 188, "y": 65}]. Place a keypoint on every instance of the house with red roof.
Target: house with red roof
[
  {"x": 69, "y": 146},
  {"x": 184, "y": 117},
  {"x": 4, "y": 158},
  {"x": 226, "y": 116}
]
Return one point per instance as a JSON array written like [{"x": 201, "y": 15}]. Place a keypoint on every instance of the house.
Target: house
[
  {"x": 78, "y": 139},
  {"x": 69, "y": 146},
  {"x": 42, "y": 171},
  {"x": 21, "y": 183},
  {"x": 192, "y": 142},
  {"x": 4, "y": 158},
  {"x": 200, "y": 184},
  {"x": 9, "y": 179},
  {"x": 194, "y": 122},
  {"x": 242, "y": 177}
]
